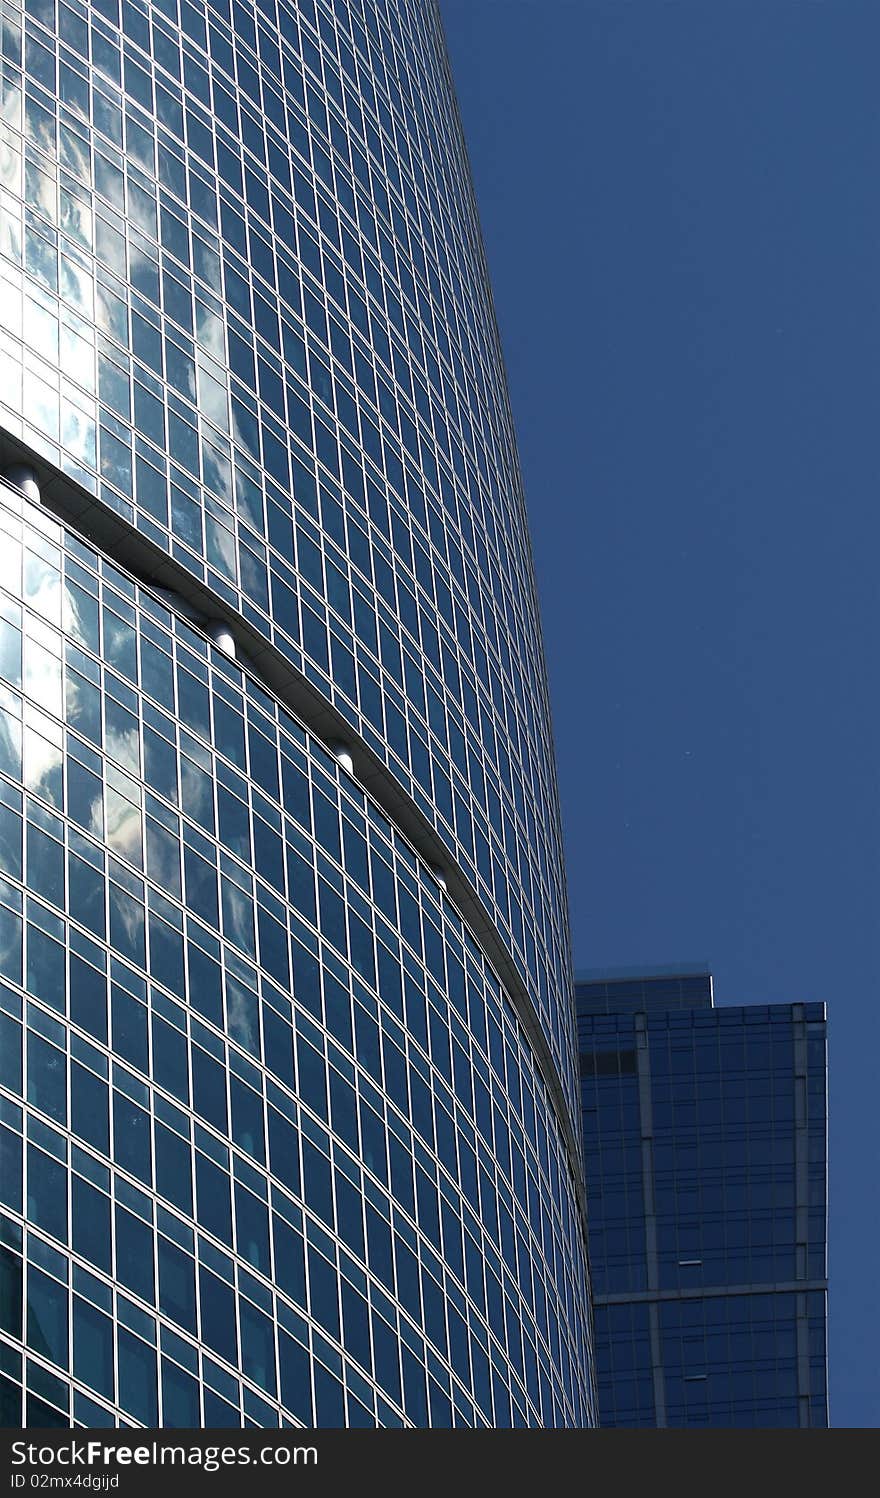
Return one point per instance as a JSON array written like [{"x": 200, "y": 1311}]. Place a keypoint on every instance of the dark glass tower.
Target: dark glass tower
[
  {"x": 289, "y": 1109},
  {"x": 705, "y": 1140}
]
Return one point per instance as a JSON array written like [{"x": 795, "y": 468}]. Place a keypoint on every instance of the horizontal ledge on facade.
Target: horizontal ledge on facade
[
  {"x": 177, "y": 589},
  {"x": 707, "y": 1292}
]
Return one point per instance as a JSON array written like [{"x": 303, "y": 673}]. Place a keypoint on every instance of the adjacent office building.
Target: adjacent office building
[
  {"x": 705, "y": 1143},
  {"x": 289, "y": 1090}
]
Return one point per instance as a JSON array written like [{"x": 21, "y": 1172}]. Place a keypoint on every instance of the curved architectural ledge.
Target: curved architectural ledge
[{"x": 75, "y": 507}]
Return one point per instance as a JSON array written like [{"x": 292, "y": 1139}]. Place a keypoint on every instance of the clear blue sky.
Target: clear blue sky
[{"x": 682, "y": 220}]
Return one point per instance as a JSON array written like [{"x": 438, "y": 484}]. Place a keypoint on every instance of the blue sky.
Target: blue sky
[{"x": 682, "y": 223}]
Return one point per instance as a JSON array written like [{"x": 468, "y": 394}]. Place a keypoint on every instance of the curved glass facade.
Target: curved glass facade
[{"x": 321, "y": 1090}]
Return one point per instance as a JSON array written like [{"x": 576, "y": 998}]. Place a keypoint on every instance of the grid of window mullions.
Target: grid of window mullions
[
  {"x": 723, "y": 1178},
  {"x": 254, "y": 1394},
  {"x": 117, "y": 605},
  {"x": 387, "y": 174},
  {"x": 87, "y": 1054},
  {"x": 465, "y": 1214},
  {"x": 245, "y": 147},
  {"x": 119, "y": 689},
  {"x": 151, "y": 1302},
  {"x": 438, "y": 1082}
]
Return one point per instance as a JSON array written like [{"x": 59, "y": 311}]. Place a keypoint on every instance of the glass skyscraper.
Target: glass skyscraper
[
  {"x": 289, "y": 1107},
  {"x": 705, "y": 1134}
]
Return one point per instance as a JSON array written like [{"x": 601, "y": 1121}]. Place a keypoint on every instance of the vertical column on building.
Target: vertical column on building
[
  {"x": 646, "y": 1130},
  {"x": 802, "y": 1206}
]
